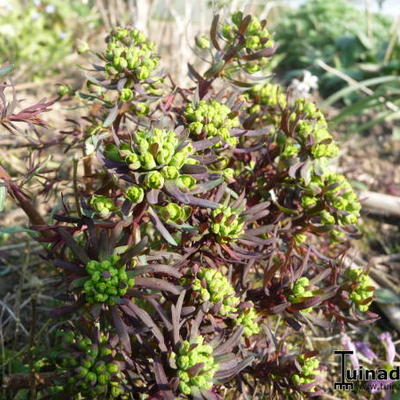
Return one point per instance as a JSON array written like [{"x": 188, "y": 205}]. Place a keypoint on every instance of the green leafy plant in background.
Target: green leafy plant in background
[
  {"x": 355, "y": 55},
  {"x": 341, "y": 36},
  {"x": 37, "y": 35}
]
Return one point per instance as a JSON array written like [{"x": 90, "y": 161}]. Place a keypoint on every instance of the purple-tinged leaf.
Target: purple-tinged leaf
[
  {"x": 152, "y": 196},
  {"x": 121, "y": 329},
  {"x": 206, "y": 143},
  {"x": 193, "y": 169},
  {"x": 213, "y": 32},
  {"x": 77, "y": 250},
  {"x": 261, "y": 230},
  {"x": 158, "y": 284},
  {"x": 111, "y": 116},
  {"x": 68, "y": 266},
  {"x": 267, "y": 52},
  {"x": 161, "y": 228},
  {"x": 147, "y": 320},
  {"x": 244, "y": 23},
  {"x": 206, "y": 186},
  {"x": 134, "y": 250},
  {"x": 209, "y": 395},
  {"x": 160, "y": 311},
  {"x": 162, "y": 269},
  {"x": 230, "y": 343},
  {"x": 193, "y": 371}
]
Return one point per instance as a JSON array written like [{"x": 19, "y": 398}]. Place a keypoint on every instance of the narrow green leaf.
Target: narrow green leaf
[{"x": 353, "y": 88}]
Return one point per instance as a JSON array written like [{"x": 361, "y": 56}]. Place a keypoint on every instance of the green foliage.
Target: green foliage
[
  {"x": 226, "y": 223},
  {"x": 102, "y": 205},
  {"x": 309, "y": 370},
  {"x": 248, "y": 319},
  {"x": 192, "y": 354},
  {"x": 107, "y": 281},
  {"x": 91, "y": 374},
  {"x": 361, "y": 290},
  {"x": 215, "y": 288},
  {"x": 301, "y": 292},
  {"x": 55, "y": 24},
  {"x": 129, "y": 53},
  {"x": 211, "y": 118},
  {"x": 255, "y": 38},
  {"x": 157, "y": 155},
  {"x": 336, "y": 33}
]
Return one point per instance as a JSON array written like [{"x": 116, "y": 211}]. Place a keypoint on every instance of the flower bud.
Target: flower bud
[
  {"x": 202, "y": 42},
  {"x": 135, "y": 194},
  {"x": 154, "y": 180},
  {"x": 126, "y": 95}
]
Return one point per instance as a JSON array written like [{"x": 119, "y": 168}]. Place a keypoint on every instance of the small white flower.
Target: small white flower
[
  {"x": 35, "y": 15},
  {"x": 50, "y": 9},
  {"x": 310, "y": 80},
  {"x": 62, "y": 35},
  {"x": 6, "y": 4},
  {"x": 37, "y": 3},
  {"x": 302, "y": 88}
]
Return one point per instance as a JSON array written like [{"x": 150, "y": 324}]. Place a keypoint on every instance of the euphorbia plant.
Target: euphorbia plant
[{"x": 205, "y": 215}]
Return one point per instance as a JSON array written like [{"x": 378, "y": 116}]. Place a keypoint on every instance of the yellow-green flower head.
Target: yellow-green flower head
[
  {"x": 202, "y": 42},
  {"x": 130, "y": 53},
  {"x": 268, "y": 94},
  {"x": 102, "y": 205},
  {"x": 126, "y": 95},
  {"x": 361, "y": 289},
  {"x": 215, "y": 288},
  {"x": 107, "y": 281},
  {"x": 342, "y": 197},
  {"x": 248, "y": 319},
  {"x": 309, "y": 370},
  {"x": 256, "y": 38},
  {"x": 210, "y": 118},
  {"x": 158, "y": 154},
  {"x": 189, "y": 355},
  {"x": 300, "y": 292},
  {"x": 154, "y": 180},
  {"x": 135, "y": 194},
  {"x": 226, "y": 223},
  {"x": 175, "y": 213},
  {"x": 90, "y": 372}
]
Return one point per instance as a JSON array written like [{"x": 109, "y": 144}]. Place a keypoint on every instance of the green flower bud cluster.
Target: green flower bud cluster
[
  {"x": 91, "y": 374},
  {"x": 215, "y": 288},
  {"x": 339, "y": 197},
  {"x": 362, "y": 288},
  {"x": 309, "y": 370},
  {"x": 107, "y": 282},
  {"x": 135, "y": 194},
  {"x": 140, "y": 108},
  {"x": 210, "y": 118},
  {"x": 268, "y": 94},
  {"x": 267, "y": 101},
  {"x": 189, "y": 355},
  {"x": 64, "y": 90},
  {"x": 155, "y": 151},
  {"x": 130, "y": 53},
  {"x": 103, "y": 205},
  {"x": 300, "y": 292},
  {"x": 248, "y": 319},
  {"x": 312, "y": 126},
  {"x": 226, "y": 223},
  {"x": 202, "y": 42},
  {"x": 256, "y": 38},
  {"x": 173, "y": 212}
]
